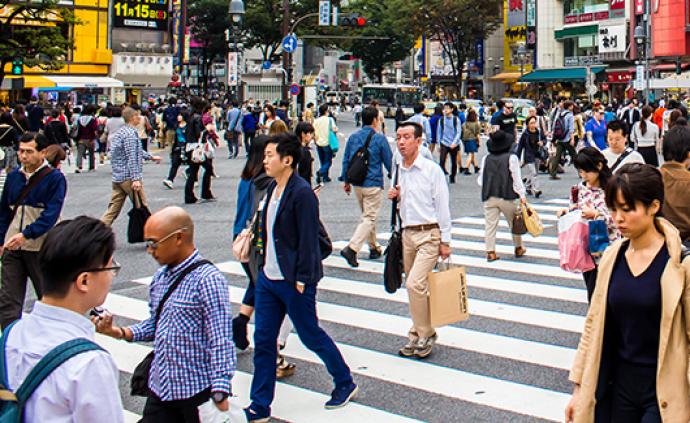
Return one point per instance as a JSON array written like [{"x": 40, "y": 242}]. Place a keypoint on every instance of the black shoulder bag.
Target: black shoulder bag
[
  {"x": 358, "y": 167},
  {"x": 139, "y": 383},
  {"x": 393, "y": 267}
]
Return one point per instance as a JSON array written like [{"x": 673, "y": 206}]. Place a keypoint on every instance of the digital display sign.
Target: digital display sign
[{"x": 141, "y": 14}]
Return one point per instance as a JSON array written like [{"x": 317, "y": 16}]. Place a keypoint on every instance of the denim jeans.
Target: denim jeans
[{"x": 326, "y": 159}]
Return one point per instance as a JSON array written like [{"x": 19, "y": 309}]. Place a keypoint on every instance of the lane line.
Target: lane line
[
  {"x": 292, "y": 402},
  {"x": 481, "y": 342},
  {"x": 503, "y": 236},
  {"x": 495, "y": 393}
]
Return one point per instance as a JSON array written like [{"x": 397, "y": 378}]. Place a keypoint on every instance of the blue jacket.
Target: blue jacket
[
  {"x": 295, "y": 232},
  {"x": 243, "y": 212},
  {"x": 249, "y": 122},
  {"x": 39, "y": 211},
  {"x": 433, "y": 122},
  {"x": 379, "y": 154}
]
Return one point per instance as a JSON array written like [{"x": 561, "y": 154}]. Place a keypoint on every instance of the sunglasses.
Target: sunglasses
[
  {"x": 154, "y": 244},
  {"x": 115, "y": 268}
]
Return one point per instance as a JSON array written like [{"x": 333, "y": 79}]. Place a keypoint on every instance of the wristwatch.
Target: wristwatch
[{"x": 219, "y": 397}]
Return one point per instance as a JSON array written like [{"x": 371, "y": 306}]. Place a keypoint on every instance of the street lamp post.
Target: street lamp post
[
  {"x": 236, "y": 12},
  {"x": 522, "y": 54},
  {"x": 642, "y": 35}
]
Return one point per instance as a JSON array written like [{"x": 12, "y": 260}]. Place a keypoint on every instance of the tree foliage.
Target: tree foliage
[
  {"x": 456, "y": 24},
  {"x": 35, "y": 32},
  {"x": 384, "y": 19},
  {"x": 208, "y": 21}
]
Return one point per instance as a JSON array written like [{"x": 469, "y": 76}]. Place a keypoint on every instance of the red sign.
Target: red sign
[
  {"x": 619, "y": 77},
  {"x": 605, "y": 86},
  {"x": 598, "y": 16},
  {"x": 639, "y": 7},
  {"x": 617, "y": 4},
  {"x": 570, "y": 19},
  {"x": 586, "y": 17}
]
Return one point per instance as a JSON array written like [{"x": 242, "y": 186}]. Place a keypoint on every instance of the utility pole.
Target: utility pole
[
  {"x": 287, "y": 65},
  {"x": 647, "y": 49}
]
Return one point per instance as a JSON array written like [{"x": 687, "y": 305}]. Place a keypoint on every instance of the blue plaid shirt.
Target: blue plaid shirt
[
  {"x": 193, "y": 340},
  {"x": 126, "y": 155}
]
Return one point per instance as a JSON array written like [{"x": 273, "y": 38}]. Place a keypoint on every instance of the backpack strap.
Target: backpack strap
[
  {"x": 50, "y": 362},
  {"x": 4, "y": 385}
]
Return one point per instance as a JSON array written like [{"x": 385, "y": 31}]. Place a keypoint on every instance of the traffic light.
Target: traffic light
[
  {"x": 354, "y": 20},
  {"x": 18, "y": 66}
]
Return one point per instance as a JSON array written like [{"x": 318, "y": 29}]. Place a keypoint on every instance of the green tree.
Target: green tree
[
  {"x": 456, "y": 24},
  {"x": 384, "y": 19},
  {"x": 208, "y": 21},
  {"x": 37, "y": 32}
]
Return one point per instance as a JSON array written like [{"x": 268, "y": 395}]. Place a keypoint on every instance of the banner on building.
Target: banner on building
[
  {"x": 177, "y": 34},
  {"x": 141, "y": 14},
  {"x": 233, "y": 69},
  {"x": 515, "y": 20},
  {"x": 616, "y": 9},
  {"x": 612, "y": 38}
]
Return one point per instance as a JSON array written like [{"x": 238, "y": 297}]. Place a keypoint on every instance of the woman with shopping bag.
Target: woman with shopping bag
[
  {"x": 632, "y": 361},
  {"x": 501, "y": 182},
  {"x": 589, "y": 198}
]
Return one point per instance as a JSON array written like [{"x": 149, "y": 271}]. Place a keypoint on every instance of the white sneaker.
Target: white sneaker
[{"x": 168, "y": 183}]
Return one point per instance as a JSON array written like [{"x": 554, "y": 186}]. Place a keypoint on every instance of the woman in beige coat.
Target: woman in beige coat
[{"x": 632, "y": 362}]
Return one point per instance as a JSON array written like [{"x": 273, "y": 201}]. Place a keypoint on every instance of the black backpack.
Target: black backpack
[{"x": 358, "y": 167}]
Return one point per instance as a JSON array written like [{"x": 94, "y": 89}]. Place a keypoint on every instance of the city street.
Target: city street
[{"x": 508, "y": 362}]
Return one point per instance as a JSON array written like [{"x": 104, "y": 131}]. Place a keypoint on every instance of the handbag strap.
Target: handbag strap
[
  {"x": 33, "y": 181},
  {"x": 620, "y": 159},
  {"x": 395, "y": 216},
  {"x": 174, "y": 286}
]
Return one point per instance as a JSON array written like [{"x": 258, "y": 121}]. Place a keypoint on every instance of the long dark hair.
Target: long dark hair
[
  {"x": 636, "y": 182},
  {"x": 646, "y": 113},
  {"x": 589, "y": 159},
  {"x": 255, "y": 162}
]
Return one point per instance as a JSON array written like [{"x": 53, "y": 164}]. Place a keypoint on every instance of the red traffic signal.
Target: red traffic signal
[{"x": 353, "y": 20}]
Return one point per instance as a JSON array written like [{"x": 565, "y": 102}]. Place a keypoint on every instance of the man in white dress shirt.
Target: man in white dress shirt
[
  {"x": 425, "y": 214},
  {"x": 76, "y": 260},
  {"x": 618, "y": 154}
]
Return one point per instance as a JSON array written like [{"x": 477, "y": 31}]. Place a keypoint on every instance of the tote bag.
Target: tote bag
[
  {"x": 447, "y": 295},
  {"x": 598, "y": 236},
  {"x": 532, "y": 221},
  {"x": 137, "y": 219},
  {"x": 573, "y": 240},
  {"x": 333, "y": 141}
]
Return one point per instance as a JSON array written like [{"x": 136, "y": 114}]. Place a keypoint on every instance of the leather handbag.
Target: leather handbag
[
  {"x": 139, "y": 384},
  {"x": 532, "y": 221},
  {"x": 241, "y": 245},
  {"x": 518, "y": 227},
  {"x": 393, "y": 266},
  {"x": 137, "y": 219}
]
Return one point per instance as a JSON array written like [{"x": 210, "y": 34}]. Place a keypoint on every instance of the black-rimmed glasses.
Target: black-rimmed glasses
[{"x": 115, "y": 268}]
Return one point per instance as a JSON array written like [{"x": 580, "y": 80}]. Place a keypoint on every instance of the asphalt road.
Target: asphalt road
[{"x": 506, "y": 363}]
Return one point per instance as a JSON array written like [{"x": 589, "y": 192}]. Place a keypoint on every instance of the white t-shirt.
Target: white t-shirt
[
  {"x": 271, "y": 266},
  {"x": 611, "y": 158},
  {"x": 650, "y": 137}
]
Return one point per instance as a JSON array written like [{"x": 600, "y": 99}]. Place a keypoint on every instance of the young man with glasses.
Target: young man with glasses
[
  {"x": 30, "y": 205},
  {"x": 76, "y": 261},
  {"x": 192, "y": 337},
  {"x": 506, "y": 121}
]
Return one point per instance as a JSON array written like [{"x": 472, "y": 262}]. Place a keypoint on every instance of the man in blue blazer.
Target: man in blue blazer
[{"x": 291, "y": 269}]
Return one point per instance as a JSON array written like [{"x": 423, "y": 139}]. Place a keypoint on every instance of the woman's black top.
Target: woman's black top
[{"x": 634, "y": 309}]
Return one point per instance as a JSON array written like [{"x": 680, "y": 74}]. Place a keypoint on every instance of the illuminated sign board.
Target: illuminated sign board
[{"x": 141, "y": 14}]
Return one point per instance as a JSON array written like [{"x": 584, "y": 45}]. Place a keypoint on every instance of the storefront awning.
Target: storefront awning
[
  {"x": 144, "y": 81},
  {"x": 30, "y": 81},
  {"x": 574, "y": 74},
  {"x": 86, "y": 81},
  {"x": 575, "y": 31},
  {"x": 506, "y": 76}
]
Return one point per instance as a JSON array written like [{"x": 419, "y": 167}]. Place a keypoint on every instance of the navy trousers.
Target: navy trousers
[
  {"x": 273, "y": 300},
  {"x": 326, "y": 159}
]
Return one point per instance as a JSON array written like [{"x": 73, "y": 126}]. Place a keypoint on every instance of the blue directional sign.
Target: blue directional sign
[
  {"x": 290, "y": 43},
  {"x": 266, "y": 65}
]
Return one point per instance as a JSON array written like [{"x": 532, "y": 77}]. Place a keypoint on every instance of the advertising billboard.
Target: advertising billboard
[{"x": 141, "y": 14}]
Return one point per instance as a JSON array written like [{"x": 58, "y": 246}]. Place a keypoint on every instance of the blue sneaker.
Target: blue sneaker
[
  {"x": 341, "y": 396},
  {"x": 254, "y": 416}
]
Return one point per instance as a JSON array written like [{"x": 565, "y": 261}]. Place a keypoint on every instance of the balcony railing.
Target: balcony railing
[{"x": 582, "y": 60}]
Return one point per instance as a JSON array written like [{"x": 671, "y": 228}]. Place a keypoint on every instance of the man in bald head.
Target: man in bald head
[{"x": 190, "y": 324}]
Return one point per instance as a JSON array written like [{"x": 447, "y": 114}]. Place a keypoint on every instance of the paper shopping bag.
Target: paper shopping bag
[
  {"x": 573, "y": 240},
  {"x": 448, "y": 296}
]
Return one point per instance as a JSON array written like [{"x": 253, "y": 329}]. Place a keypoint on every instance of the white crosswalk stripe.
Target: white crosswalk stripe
[{"x": 529, "y": 315}]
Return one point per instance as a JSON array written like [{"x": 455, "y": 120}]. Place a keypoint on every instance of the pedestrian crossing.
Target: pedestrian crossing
[{"x": 508, "y": 362}]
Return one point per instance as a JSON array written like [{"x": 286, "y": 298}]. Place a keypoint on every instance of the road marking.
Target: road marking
[
  {"x": 480, "y": 262},
  {"x": 485, "y": 343},
  {"x": 492, "y": 310},
  {"x": 559, "y": 201},
  {"x": 503, "y": 236},
  {"x": 480, "y": 221},
  {"x": 293, "y": 403}
]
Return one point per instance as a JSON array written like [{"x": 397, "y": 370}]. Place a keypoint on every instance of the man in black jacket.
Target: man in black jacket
[{"x": 288, "y": 278}]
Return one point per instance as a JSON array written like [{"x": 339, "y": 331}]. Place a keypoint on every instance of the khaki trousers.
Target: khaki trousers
[
  {"x": 420, "y": 254},
  {"x": 119, "y": 194},
  {"x": 369, "y": 200},
  {"x": 493, "y": 207}
]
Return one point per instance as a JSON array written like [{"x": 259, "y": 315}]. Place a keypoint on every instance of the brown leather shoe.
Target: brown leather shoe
[
  {"x": 491, "y": 256},
  {"x": 520, "y": 251}
]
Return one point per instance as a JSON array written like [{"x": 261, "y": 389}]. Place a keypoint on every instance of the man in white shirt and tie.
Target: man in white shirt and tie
[
  {"x": 76, "y": 260},
  {"x": 425, "y": 214}
]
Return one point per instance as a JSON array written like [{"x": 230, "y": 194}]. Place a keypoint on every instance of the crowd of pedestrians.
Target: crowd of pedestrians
[{"x": 636, "y": 371}]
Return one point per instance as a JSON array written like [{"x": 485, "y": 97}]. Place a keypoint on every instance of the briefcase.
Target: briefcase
[{"x": 448, "y": 295}]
